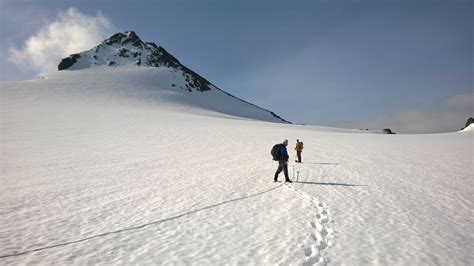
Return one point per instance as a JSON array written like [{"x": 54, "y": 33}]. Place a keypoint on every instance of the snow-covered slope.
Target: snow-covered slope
[
  {"x": 469, "y": 128},
  {"x": 114, "y": 166}
]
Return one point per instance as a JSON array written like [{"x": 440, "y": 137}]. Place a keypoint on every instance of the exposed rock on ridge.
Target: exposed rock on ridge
[{"x": 128, "y": 49}]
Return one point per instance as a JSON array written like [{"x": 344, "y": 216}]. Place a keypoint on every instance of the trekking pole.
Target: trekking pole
[
  {"x": 297, "y": 172},
  {"x": 293, "y": 171}
]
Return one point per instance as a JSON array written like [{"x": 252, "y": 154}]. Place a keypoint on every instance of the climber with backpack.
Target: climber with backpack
[
  {"x": 299, "y": 149},
  {"x": 280, "y": 154}
]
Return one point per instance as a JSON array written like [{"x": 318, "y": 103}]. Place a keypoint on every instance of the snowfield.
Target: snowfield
[{"x": 115, "y": 166}]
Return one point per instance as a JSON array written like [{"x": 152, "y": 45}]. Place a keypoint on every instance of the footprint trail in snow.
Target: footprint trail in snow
[{"x": 322, "y": 234}]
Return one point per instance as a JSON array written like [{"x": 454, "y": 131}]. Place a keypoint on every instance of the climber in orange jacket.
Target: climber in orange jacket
[{"x": 299, "y": 149}]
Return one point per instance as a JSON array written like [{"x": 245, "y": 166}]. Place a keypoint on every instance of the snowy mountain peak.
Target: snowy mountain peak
[
  {"x": 124, "y": 38},
  {"x": 125, "y": 49}
]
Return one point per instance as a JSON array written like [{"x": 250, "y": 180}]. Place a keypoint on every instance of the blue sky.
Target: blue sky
[{"x": 407, "y": 65}]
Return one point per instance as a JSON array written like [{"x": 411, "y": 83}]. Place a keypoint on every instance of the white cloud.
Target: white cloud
[{"x": 70, "y": 32}]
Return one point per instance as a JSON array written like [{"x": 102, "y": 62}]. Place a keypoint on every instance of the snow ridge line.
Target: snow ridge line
[{"x": 321, "y": 233}]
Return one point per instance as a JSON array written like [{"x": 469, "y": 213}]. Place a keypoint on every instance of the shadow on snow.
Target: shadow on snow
[
  {"x": 327, "y": 184},
  {"x": 321, "y": 163},
  {"x": 139, "y": 226}
]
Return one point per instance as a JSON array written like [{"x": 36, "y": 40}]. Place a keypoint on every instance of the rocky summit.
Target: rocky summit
[{"x": 127, "y": 48}]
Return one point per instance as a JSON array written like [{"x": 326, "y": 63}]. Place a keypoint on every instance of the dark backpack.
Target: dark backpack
[{"x": 276, "y": 152}]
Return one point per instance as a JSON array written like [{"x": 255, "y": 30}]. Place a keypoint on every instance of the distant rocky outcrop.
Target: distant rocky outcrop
[
  {"x": 68, "y": 61},
  {"x": 378, "y": 131},
  {"x": 388, "y": 131},
  {"x": 470, "y": 120}
]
